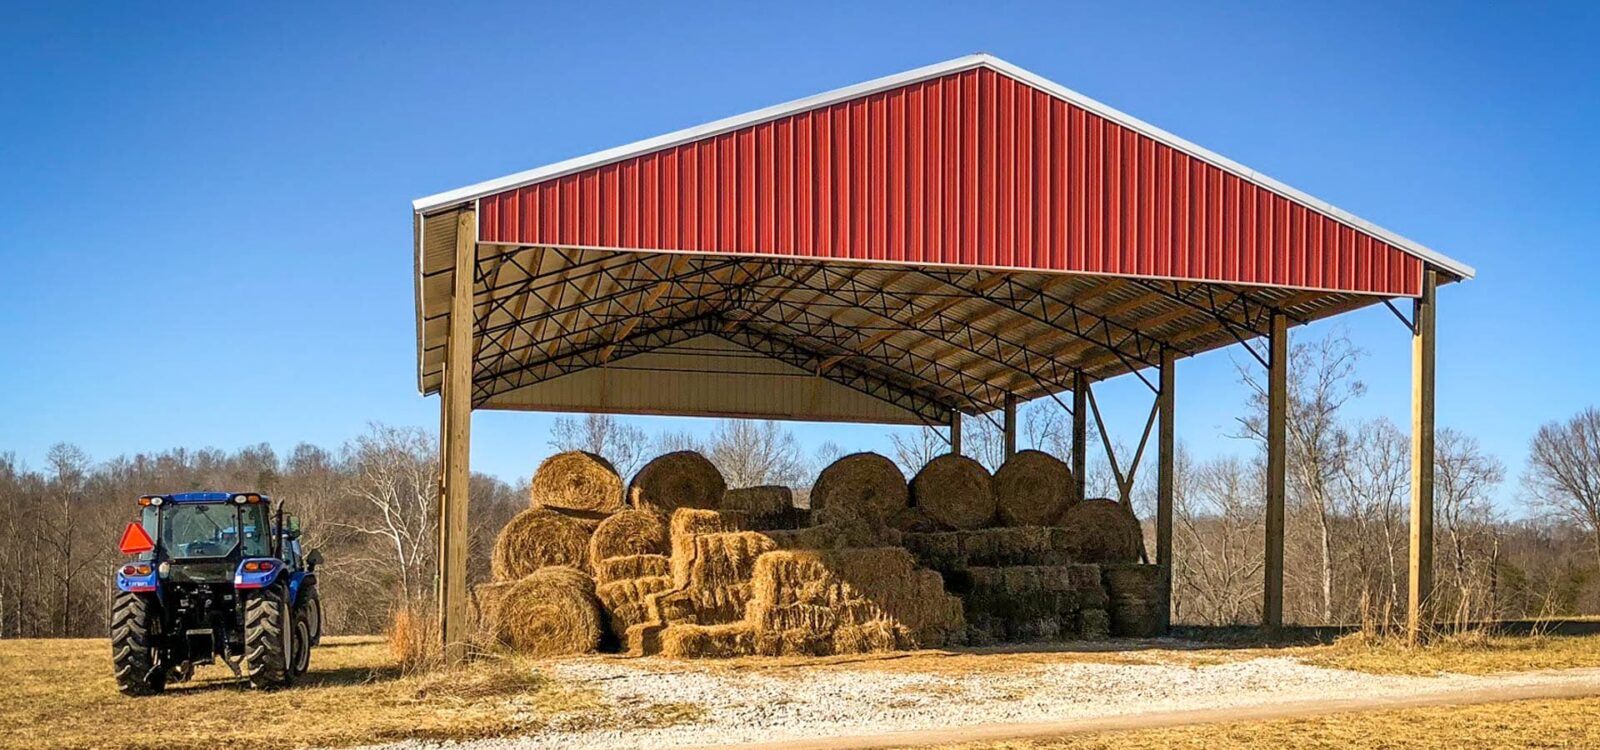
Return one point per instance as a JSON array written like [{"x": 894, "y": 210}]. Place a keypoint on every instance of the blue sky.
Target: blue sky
[{"x": 204, "y": 209}]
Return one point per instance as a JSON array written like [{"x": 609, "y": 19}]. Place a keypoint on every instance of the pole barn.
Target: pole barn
[{"x": 956, "y": 239}]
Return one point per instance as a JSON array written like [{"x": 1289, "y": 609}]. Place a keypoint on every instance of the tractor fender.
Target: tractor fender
[
  {"x": 258, "y": 572},
  {"x": 138, "y": 578}
]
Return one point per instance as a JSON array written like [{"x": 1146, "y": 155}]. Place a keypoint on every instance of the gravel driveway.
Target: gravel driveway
[{"x": 752, "y": 702}]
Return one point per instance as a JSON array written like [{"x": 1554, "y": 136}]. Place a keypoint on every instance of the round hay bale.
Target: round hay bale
[
  {"x": 867, "y": 483},
  {"x": 1033, "y": 488},
  {"x": 682, "y": 479},
  {"x": 551, "y": 612},
  {"x": 912, "y": 521},
  {"x": 537, "y": 538},
  {"x": 631, "y": 532},
  {"x": 955, "y": 491},
  {"x": 576, "y": 480},
  {"x": 1101, "y": 531}
]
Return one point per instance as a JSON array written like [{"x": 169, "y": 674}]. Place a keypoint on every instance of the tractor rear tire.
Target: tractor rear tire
[
  {"x": 302, "y": 640},
  {"x": 269, "y": 638},
  {"x": 135, "y": 631}
]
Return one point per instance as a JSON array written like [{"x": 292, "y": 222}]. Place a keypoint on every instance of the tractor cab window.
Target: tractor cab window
[{"x": 201, "y": 530}]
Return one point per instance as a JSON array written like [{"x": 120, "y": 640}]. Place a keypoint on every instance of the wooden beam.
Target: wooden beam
[
  {"x": 955, "y": 431},
  {"x": 1011, "y": 425},
  {"x": 1080, "y": 433},
  {"x": 1166, "y": 478},
  {"x": 455, "y": 404},
  {"x": 1418, "y": 609},
  {"x": 1277, "y": 469}
]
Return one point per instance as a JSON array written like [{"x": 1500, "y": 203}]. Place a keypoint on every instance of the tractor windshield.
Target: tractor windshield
[{"x": 199, "y": 530}]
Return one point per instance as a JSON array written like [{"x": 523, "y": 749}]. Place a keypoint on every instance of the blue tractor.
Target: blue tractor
[{"x": 214, "y": 575}]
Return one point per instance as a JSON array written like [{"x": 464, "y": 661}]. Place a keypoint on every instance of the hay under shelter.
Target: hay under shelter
[
  {"x": 1102, "y": 531},
  {"x": 1033, "y": 488},
  {"x": 870, "y": 484},
  {"x": 550, "y": 612},
  {"x": 577, "y": 481},
  {"x": 681, "y": 479},
  {"x": 538, "y": 538},
  {"x": 955, "y": 491},
  {"x": 627, "y": 533}
]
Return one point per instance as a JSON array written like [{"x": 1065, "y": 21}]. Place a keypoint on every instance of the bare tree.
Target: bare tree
[
  {"x": 915, "y": 450},
  {"x": 622, "y": 444},
  {"x": 1465, "y": 478},
  {"x": 1321, "y": 382},
  {"x": 1217, "y": 551},
  {"x": 751, "y": 453},
  {"x": 394, "y": 473},
  {"x": 1373, "y": 482},
  {"x": 1563, "y": 472}
]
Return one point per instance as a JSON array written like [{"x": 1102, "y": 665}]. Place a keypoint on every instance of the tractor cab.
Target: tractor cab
[{"x": 213, "y": 575}]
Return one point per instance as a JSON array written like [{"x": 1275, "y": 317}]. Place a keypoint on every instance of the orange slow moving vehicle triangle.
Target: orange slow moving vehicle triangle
[{"x": 136, "y": 540}]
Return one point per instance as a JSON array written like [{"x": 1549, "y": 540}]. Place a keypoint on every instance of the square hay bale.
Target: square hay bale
[
  {"x": 720, "y": 559},
  {"x": 1137, "y": 601},
  {"x": 766, "y": 507},
  {"x": 804, "y": 598},
  {"x": 1030, "y": 602},
  {"x": 632, "y": 566},
  {"x": 1094, "y": 625},
  {"x": 708, "y": 641},
  {"x": 624, "y": 601}
]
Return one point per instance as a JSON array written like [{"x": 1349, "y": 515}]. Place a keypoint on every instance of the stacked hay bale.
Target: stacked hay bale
[
  {"x": 682, "y": 479},
  {"x": 721, "y": 603},
  {"x": 867, "y": 484},
  {"x": 1138, "y": 603},
  {"x": 766, "y": 506},
  {"x": 629, "y": 551},
  {"x": 542, "y": 600},
  {"x": 1025, "y": 557}
]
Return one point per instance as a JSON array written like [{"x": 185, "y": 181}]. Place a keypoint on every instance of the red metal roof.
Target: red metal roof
[{"x": 973, "y": 168}]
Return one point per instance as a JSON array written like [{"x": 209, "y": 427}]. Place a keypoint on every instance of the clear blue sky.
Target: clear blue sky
[{"x": 205, "y": 210}]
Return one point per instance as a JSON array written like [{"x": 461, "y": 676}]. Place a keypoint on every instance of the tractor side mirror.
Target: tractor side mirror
[{"x": 313, "y": 559}]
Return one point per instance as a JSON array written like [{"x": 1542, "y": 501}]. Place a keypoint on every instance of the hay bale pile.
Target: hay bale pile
[
  {"x": 1032, "y": 602},
  {"x": 846, "y": 601},
  {"x": 629, "y": 551},
  {"x": 538, "y": 538},
  {"x": 1137, "y": 600}
]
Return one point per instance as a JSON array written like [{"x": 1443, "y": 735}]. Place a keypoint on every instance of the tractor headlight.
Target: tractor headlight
[
  {"x": 238, "y": 499},
  {"x": 164, "y": 568},
  {"x": 155, "y": 501}
]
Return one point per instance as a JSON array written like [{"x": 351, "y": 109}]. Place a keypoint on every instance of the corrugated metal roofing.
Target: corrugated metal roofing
[{"x": 891, "y": 252}]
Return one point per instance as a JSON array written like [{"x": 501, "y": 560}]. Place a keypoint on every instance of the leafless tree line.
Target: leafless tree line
[{"x": 370, "y": 505}]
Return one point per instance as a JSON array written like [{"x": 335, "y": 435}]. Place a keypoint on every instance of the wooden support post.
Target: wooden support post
[
  {"x": 1418, "y": 612},
  {"x": 455, "y": 403},
  {"x": 1277, "y": 469},
  {"x": 1080, "y": 433},
  {"x": 955, "y": 431},
  {"x": 1011, "y": 425},
  {"x": 1166, "y": 478}
]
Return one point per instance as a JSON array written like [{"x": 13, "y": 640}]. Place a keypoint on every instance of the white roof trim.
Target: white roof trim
[{"x": 471, "y": 192}]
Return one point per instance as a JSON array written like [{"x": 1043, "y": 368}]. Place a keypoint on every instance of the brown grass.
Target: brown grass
[
  {"x": 682, "y": 479},
  {"x": 60, "y": 694},
  {"x": 1033, "y": 488},
  {"x": 1473, "y": 652},
  {"x": 955, "y": 491},
  {"x": 867, "y": 483},
  {"x": 538, "y": 538},
  {"x": 576, "y": 480},
  {"x": 1569, "y": 723}
]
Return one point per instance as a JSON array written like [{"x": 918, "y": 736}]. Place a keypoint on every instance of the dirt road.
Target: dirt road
[{"x": 1577, "y": 688}]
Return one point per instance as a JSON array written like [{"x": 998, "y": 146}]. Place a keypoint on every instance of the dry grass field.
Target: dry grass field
[
  {"x": 1571, "y": 723},
  {"x": 60, "y": 695}
]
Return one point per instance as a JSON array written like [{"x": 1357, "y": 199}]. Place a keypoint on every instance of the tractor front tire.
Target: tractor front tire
[
  {"x": 269, "y": 638},
  {"x": 311, "y": 604},
  {"x": 135, "y": 631}
]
